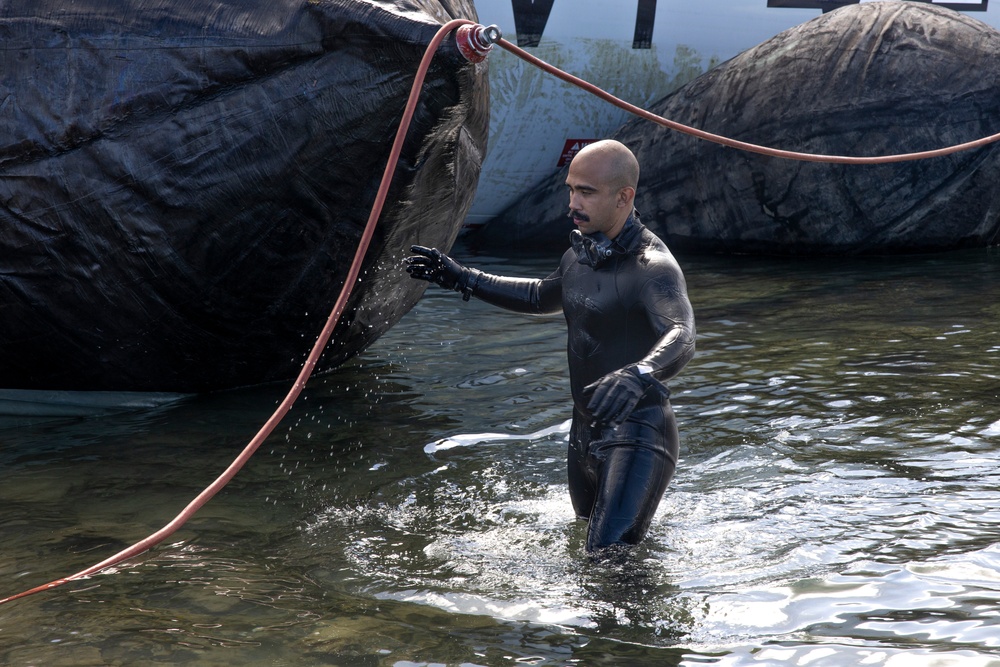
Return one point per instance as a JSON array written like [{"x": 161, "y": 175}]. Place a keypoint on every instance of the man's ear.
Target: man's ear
[{"x": 625, "y": 196}]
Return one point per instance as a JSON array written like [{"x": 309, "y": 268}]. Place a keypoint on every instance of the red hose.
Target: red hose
[
  {"x": 733, "y": 143},
  {"x": 310, "y": 363},
  {"x": 352, "y": 277}
]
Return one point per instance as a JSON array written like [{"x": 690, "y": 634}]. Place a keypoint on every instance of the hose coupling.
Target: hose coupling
[{"x": 475, "y": 41}]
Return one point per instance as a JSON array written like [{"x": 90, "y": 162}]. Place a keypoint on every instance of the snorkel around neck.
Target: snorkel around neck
[{"x": 595, "y": 249}]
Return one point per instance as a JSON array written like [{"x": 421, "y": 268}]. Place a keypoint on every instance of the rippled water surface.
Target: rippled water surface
[{"x": 837, "y": 501}]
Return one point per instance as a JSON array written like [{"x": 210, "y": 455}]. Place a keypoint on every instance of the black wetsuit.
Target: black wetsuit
[{"x": 625, "y": 302}]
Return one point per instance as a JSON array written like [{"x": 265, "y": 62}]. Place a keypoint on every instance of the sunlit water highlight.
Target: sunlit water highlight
[{"x": 836, "y": 501}]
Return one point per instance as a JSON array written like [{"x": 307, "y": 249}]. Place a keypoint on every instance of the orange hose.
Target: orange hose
[
  {"x": 733, "y": 143},
  {"x": 352, "y": 277},
  {"x": 310, "y": 363}
]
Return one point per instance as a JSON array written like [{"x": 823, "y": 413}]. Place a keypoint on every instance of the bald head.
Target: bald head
[
  {"x": 621, "y": 169},
  {"x": 602, "y": 180}
]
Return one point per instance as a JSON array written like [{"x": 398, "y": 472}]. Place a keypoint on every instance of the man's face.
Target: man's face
[{"x": 593, "y": 201}]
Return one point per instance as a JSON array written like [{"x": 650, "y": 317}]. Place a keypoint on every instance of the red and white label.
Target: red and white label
[{"x": 571, "y": 148}]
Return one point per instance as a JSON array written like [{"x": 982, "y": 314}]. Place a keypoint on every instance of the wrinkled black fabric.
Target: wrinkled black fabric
[
  {"x": 631, "y": 308},
  {"x": 870, "y": 79},
  {"x": 183, "y": 184}
]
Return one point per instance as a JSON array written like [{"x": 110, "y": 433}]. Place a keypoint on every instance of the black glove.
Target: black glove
[
  {"x": 434, "y": 266},
  {"x": 616, "y": 394}
]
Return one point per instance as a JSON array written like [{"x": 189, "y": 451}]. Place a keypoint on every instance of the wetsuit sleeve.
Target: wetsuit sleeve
[
  {"x": 672, "y": 318},
  {"x": 522, "y": 295}
]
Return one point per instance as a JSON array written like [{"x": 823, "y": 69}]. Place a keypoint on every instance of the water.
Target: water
[{"x": 836, "y": 501}]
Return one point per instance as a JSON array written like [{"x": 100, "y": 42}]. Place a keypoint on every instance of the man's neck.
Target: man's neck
[{"x": 617, "y": 229}]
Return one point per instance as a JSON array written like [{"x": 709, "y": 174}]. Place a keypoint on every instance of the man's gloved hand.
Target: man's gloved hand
[
  {"x": 434, "y": 266},
  {"x": 616, "y": 394}
]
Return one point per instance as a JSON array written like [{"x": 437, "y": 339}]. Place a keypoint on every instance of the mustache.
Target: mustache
[{"x": 576, "y": 215}]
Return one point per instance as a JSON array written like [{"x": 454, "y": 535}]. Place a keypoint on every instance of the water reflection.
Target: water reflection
[{"x": 835, "y": 502}]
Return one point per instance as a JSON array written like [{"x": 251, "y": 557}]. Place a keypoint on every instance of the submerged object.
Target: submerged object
[
  {"x": 868, "y": 79},
  {"x": 183, "y": 185}
]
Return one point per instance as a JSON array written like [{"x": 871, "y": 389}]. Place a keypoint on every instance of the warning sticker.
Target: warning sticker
[{"x": 571, "y": 148}]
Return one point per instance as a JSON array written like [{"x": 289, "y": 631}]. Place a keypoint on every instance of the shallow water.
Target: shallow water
[{"x": 836, "y": 501}]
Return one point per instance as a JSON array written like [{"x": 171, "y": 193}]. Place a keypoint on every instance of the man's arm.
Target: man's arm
[
  {"x": 523, "y": 295},
  {"x": 670, "y": 314}
]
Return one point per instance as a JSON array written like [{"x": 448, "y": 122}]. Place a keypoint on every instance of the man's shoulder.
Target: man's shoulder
[
  {"x": 649, "y": 238},
  {"x": 651, "y": 249}
]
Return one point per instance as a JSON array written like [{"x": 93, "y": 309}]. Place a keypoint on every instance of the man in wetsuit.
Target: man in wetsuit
[{"x": 630, "y": 329}]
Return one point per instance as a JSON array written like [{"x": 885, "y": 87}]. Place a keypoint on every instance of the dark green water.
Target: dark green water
[{"x": 837, "y": 502}]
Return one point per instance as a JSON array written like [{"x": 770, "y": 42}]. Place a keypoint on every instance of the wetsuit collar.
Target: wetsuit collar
[{"x": 595, "y": 249}]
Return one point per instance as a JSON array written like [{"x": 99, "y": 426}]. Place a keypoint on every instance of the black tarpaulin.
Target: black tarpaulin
[{"x": 183, "y": 184}]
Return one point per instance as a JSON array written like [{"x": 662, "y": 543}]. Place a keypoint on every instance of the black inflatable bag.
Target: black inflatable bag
[
  {"x": 183, "y": 184},
  {"x": 868, "y": 79}
]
